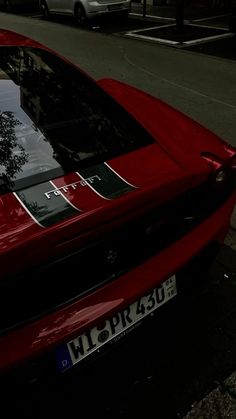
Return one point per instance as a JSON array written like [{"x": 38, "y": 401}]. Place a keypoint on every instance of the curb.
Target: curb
[{"x": 220, "y": 403}]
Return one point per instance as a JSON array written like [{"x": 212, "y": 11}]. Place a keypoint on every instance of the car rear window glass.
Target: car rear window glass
[{"x": 54, "y": 119}]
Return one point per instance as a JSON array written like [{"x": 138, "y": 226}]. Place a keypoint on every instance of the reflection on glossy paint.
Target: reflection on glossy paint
[{"x": 81, "y": 318}]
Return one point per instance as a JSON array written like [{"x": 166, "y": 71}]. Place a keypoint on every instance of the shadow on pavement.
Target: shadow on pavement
[{"x": 224, "y": 48}]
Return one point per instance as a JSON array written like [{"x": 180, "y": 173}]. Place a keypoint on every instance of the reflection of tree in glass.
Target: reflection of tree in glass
[
  {"x": 34, "y": 207},
  {"x": 10, "y": 162}
]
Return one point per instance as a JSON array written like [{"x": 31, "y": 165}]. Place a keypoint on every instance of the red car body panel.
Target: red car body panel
[
  {"x": 169, "y": 127},
  {"x": 12, "y": 38},
  {"x": 50, "y": 331},
  {"x": 21, "y": 235},
  {"x": 159, "y": 173}
]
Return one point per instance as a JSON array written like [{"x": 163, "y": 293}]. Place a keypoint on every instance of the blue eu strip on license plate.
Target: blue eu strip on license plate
[{"x": 117, "y": 326}]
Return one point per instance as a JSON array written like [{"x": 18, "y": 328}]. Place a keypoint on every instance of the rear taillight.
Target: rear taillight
[
  {"x": 231, "y": 151},
  {"x": 232, "y": 162},
  {"x": 217, "y": 164}
]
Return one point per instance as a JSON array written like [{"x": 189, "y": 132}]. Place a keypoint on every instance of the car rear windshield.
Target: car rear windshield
[{"x": 54, "y": 119}]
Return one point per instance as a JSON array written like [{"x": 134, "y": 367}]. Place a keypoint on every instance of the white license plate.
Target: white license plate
[{"x": 115, "y": 327}]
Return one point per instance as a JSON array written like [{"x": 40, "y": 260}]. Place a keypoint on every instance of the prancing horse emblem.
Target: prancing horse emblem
[{"x": 112, "y": 256}]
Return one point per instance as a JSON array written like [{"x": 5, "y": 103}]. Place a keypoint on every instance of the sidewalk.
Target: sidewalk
[
  {"x": 206, "y": 28},
  {"x": 191, "y": 11},
  {"x": 219, "y": 404}
]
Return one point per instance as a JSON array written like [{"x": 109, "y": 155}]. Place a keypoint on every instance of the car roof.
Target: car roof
[{"x": 10, "y": 38}]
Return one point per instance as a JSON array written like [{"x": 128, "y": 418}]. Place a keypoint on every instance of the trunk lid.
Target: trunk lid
[{"x": 50, "y": 218}]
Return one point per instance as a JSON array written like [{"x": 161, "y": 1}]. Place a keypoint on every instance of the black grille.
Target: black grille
[{"x": 41, "y": 290}]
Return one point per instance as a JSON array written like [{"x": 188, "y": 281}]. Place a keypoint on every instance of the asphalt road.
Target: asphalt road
[
  {"x": 191, "y": 347},
  {"x": 201, "y": 86}
]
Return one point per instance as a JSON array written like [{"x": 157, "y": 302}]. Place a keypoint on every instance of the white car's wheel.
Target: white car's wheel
[
  {"x": 80, "y": 15},
  {"x": 44, "y": 9},
  {"x": 8, "y": 6},
  {"x": 125, "y": 15}
]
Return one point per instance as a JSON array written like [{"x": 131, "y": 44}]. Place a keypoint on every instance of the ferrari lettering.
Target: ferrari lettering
[
  {"x": 112, "y": 185},
  {"x": 71, "y": 186}
]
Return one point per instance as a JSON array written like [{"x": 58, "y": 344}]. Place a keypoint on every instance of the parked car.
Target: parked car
[
  {"x": 84, "y": 10},
  {"x": 10, "y": 5},
  {"x": 106, "y": 193}
]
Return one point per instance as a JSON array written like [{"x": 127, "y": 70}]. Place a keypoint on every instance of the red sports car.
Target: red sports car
[{"x": 106, "y": 193}]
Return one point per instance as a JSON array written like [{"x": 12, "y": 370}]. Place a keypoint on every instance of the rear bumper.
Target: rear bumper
[
  {"x": 96, "y": 9},
  {"x": 42, "y": 336}
]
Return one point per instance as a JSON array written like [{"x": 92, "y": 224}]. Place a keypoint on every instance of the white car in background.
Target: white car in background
[
  {"x": 9, "y": 5},
  {"x": 83, "y": 10}
]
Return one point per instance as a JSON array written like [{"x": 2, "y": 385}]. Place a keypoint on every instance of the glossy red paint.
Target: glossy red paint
[
  {"x": 159, "y": 172},
  {"x": 181, "y": 137},
  {"x": 12, "y": 38},
  {"x": 50, "y": 331},
  {"x": 24, "y": 236}
]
